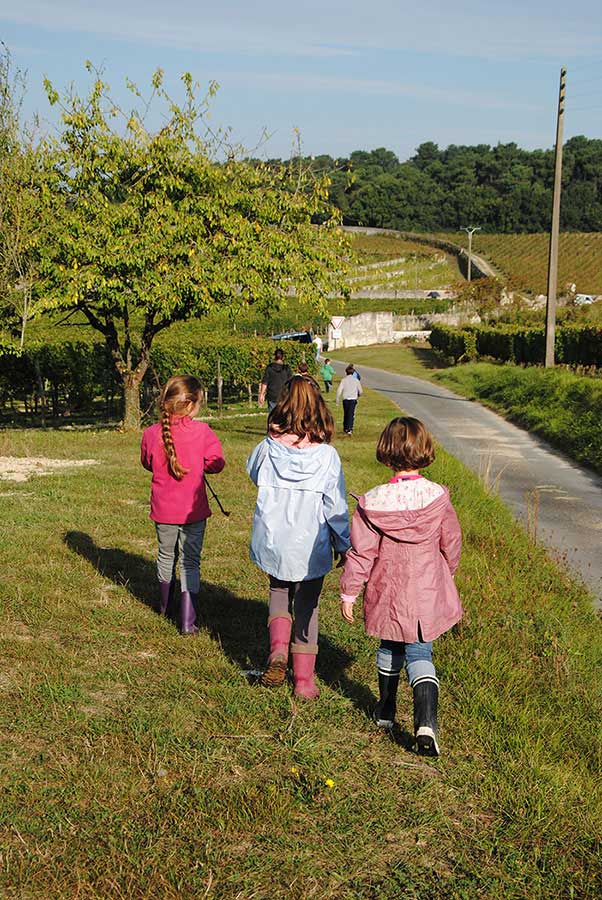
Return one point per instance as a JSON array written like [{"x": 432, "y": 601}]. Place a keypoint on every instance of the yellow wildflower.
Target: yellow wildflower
[{"x": 329, "y": 783}]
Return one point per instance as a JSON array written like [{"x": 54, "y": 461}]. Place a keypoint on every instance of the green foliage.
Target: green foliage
[
  {"x": 72, "y": 374},
  {"x": 144, "y": 230},
  {"x": 564, "y": 408},
  {"x": 19, "y": 219},
  {"x": 458, "y": 344},
  {"x": 576, "y": 345},
  {"x": 505, "y": 189},
  {"x": 523, "y": 258}
]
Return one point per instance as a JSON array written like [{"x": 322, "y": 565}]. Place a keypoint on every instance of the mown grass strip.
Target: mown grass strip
[
  {"x": 137, "y": 764},
  {"x": 563, "y": 408}
]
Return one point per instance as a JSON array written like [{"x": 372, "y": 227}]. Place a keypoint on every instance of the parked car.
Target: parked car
[
  {"x": 433, "y": 295},
  {"x": 584, "y": 299},
  {"x": 303, "y": 337}
]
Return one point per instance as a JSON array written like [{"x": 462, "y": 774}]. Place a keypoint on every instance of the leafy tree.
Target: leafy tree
[
  {"x": 18, "y": 203},
  {"x": 144, "y": 229}
]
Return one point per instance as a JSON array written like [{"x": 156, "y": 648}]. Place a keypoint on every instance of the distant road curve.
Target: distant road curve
[
  {"x": 481, "y": 267},
  {"x": 569, "y": 497}
]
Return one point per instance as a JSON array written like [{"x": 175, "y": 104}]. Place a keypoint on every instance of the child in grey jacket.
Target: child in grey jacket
[{"x": 349, "y": 390}]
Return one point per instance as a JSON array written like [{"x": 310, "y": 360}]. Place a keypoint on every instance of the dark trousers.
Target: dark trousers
[
  {"x": 327, "y": 386},
  {"x": 348, "y": 414}
]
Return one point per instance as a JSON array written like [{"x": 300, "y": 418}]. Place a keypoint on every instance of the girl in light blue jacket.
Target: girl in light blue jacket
[{"x": 300, "y": 518}]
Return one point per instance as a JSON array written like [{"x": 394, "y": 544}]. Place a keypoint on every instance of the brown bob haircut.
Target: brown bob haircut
[
  {"x": 405, "y": 444},
  {"x": 301, "y": 410}
]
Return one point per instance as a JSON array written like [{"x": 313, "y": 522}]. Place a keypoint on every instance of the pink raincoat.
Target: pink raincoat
[{"x": 407, "y": 559}]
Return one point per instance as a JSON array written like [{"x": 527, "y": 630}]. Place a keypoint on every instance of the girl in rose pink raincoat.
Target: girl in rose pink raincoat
[{"x": 406, "y": 543}]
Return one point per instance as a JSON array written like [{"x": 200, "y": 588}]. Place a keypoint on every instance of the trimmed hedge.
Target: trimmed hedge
[
  {"x": 73, "y": 375},
  {"x": 576, "y": 345}
]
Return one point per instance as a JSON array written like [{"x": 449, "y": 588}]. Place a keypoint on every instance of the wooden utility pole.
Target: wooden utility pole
[
  {"x": 555, "y": 228},
  {"x": 470, "y": 232}
]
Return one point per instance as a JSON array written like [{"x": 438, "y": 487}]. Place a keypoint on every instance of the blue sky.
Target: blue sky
[{"x": 349, "y": 75}]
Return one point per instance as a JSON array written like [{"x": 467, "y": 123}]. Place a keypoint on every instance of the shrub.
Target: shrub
[
  {"x": 576, "y": 345},
  {"x": 71, "y": 375}
]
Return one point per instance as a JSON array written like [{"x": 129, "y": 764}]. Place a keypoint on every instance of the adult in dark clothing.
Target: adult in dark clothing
[{"x": 275, "y": 376}]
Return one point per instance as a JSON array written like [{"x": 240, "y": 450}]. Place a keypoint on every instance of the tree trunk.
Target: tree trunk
[{"x": 131, "y": 397}]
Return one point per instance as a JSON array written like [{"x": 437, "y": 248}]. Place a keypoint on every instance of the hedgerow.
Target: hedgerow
[
  {"x": 69, "y": 375},
  {"x": 575, "y": 345}
]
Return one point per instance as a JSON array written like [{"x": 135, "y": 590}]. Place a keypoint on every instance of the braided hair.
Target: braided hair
[{"x": 179, "y": 396}]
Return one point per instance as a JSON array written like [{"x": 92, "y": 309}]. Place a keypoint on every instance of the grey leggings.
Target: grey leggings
[
  {"x": 186, "y": 542},
  {"x": 298, "y": 600}
]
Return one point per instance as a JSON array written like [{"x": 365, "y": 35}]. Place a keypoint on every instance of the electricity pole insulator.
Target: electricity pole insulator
[{"x": 555, "y": 228}]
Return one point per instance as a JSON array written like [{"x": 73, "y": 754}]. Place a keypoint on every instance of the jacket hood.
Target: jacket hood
[
  {"x": 307, "y": 465},
  {"x": 276, "y": 366},
  {"x": 412, "y": 525}
]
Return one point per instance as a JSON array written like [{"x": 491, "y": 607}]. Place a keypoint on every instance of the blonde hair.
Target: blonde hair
[
  {"x": 301, "y": 410},
  {"x": 180, "y": 394}
]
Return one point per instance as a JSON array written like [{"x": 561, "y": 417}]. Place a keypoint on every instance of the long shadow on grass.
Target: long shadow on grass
[
  {"x": 237, "y": 624},
  {"x": 428, "y": 359}
]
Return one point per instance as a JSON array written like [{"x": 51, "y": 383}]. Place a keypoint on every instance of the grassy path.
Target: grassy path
[{"x": 137, "y": 764}]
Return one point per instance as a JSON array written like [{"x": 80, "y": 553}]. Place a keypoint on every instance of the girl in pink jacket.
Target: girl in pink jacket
[
  {"x": 178, "y": 451},
  {"x": 406, "y": 543}
]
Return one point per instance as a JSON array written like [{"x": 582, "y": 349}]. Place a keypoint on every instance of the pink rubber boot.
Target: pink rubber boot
[
  {"x": 280, "y": 635},
  {"x": 304, "y": 665}
]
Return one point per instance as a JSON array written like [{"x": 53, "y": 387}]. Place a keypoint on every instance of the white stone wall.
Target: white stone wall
[
  {"x": 387, "y": 328},
  {"x": 360, "y": 331}
]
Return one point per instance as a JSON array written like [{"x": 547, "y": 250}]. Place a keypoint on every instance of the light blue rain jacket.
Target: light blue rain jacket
[{"x": 301, "y": 513}]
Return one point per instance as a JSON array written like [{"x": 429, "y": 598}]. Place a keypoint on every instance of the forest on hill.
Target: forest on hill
[{"x": 503, "y": 189}]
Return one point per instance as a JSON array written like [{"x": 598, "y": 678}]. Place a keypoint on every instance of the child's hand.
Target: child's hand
[
  {"x": 347, "y": 611},
  {"x": 341, "y": 555}
]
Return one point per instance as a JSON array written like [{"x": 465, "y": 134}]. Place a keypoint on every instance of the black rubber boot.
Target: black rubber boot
[
  {"x": 384, "y": 714},
  {"x": 426, "y": 695}
]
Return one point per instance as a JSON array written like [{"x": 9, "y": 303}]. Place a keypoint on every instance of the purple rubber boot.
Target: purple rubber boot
[
  {"x": 167, "y": 592},
  {"x": 188, "y": 613}
]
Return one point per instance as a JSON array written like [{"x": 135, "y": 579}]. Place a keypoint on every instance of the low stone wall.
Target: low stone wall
[{"x": 387, "y": 328}]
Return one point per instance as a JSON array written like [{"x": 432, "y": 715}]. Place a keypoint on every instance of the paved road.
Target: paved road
[{"x": 569, "y": 497}]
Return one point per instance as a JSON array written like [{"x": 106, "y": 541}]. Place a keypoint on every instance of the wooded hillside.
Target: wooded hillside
[{"x": 502, "y": 188}]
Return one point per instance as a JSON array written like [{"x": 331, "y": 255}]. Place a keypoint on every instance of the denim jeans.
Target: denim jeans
[
  {"x": 185, "y": 541},
  {"x": 417, "y": 657}
]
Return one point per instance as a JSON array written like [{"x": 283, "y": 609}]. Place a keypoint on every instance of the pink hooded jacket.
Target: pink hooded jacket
[{"x": 407, "y": 559}]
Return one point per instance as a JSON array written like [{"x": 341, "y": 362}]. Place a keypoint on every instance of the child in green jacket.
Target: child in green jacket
[{"x": 327, "y": 373}]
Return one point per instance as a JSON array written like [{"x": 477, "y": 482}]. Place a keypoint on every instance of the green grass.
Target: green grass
[
  {"x": 138, "y": 764},
  {"x": 404, "y": 359},
  {"x": 560, "y": 406},
  {"x": 397, "y": 264},
  {"x": 524, "y": 258},
  {"x": 402, "y": 307}
]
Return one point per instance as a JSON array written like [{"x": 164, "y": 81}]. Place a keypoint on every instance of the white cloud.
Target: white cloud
[
  {"x": 467, "y": 28},
  {"x": 376, "y": 87}
]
